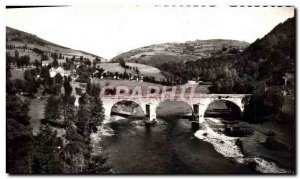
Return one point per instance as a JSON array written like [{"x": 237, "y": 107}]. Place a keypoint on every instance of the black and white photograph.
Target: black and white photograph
[{"x": 110, "y": 89}]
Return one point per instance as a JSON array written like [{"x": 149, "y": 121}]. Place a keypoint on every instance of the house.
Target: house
[
  {"x": 192, "y": 82},
  {"x": 45, "y": 63},
  {"x": 61, "y": 61},
  {"x": 60, "y": 70},
  {"x": 141, "y": 79}
]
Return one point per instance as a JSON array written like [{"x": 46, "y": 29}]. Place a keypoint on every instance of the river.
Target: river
[{"x": 168, "y": 147}]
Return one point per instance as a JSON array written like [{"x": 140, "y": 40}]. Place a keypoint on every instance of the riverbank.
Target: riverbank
[
  {"x": 274, "y": 142},
  {"x": 248, "y": 151}
]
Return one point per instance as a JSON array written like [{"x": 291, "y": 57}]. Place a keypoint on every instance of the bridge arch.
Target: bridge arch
[
  {"x": 231, "y": 105},
  {"x": 238, "y": 102},
  {"x": 129, "y": 102},
  {"x": 109, "y": 104},
  {"x": 181, "y": 103}
]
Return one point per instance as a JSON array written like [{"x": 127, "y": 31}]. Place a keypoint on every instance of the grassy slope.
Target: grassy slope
[
  {"x": 20, "y": 38},
  {"x": 17, "y": 74},
  {"x": 144, "y": 69},
  {"x": 36, "y": 112},
  {"x": 156, "y": 54}
]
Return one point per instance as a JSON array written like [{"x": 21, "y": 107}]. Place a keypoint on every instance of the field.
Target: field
[
  {"x": 114, "y": 67},
  {"x": 36, "y": 112},
  {"x": 17, "y": 74},
  {"x": 144, "y": 69},
  {"x": 158, "y": 58},
  {"x": 148, "y": 70},
  {"x": 33, "y": 56},
  {"x": 129, "y": 84}
]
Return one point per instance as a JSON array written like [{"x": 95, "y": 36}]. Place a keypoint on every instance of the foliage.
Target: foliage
[
  {"x": 48, "y": 152},
  {"x": 122, "y": 63},
  {"x": 19, "y": 136},
  {"x": 67, "y": 86},
  {"x": 52, "y": 109},
  {"x": 23, "y": 61},
  {"x": 84, "y": 73},
  {"x": 55, "y": 63},
  {"x": 274, "y": 99}
]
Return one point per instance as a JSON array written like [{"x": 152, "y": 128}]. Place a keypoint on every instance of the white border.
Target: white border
[{"x": 113, "y": 2}]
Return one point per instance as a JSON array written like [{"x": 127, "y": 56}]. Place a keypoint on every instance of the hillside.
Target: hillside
[
  {"x": 271, "y": 56},
  {"x": 269, "y": 61},
  {"x": 180, "y": 52},
  {"x": 33, "y": 46}
]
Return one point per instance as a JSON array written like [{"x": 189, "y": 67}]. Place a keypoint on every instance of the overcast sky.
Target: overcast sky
[{"x": 110, "y": 30}]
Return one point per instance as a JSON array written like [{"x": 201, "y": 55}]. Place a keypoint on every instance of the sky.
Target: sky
[{"x": 109, "y": 30}]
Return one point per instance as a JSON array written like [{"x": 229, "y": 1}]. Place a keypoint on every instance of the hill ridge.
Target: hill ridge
[{"x": 19, "y": 36}]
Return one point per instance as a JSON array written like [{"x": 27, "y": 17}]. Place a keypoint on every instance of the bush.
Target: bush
[
  {"x": 53, "y": 123},
  {"x": 274, "y": 99},
  {"x": 239, "y": 129},
  {"x": 272, "y": 144}
]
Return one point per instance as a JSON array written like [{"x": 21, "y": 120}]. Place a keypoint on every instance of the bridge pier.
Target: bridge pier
[
  {"x": 107, "y": 112},
  {"x": 150, "y": 112},
  {"x": 198, "y": 112}
]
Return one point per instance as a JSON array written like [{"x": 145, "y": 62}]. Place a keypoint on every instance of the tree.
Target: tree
[
  {"x": 44, "y": 57},
  {"x": 88, "y": 62},
  {"x": 36, "y": 63},
  {"x": 9, "y": 58},
  {"x": 94, "y": 63},
  {"x": 69, "y": 113},
  {"x": 84, "y": 72},
  {"x": 122, "y": 63},
  {"x": 52, "y": 108},
  {"x": 67, "y": 86},
  {"x": 50, "y": 86},
  {"x": 97, "y": 113},
  {"x": 23, "y": 61},
  {"x": 8, "y": 73},
  {"x": 274, "y": 99},
  {"x": 45, "y": 72},
  {"x": 83, "y": 116},
  {"x": 16, "y": 55},
  {"x": 58, "y": 78},
  {"x": 276, "y": 57},
  {"x": 55, "y": 63},
  {"x": 55, "y": 56},
  {"x": 32, "y": 86},
  {"x": 19, "y": 137},
  {"x": 48, "y": 152},
  {"x": 125, "y": 75}
]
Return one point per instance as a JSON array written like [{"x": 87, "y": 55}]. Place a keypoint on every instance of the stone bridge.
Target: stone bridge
[{"x": 198, "y": 104}]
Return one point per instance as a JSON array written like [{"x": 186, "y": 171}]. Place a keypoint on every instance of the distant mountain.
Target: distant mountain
[
  {"x": 25, "y": 42},
  {"x": 179, "y": 52}
]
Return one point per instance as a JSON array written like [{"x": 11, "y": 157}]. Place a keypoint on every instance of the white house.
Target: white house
[
  {"x": 45, "y": 63},
  {"x": 60, "y": 70}
]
